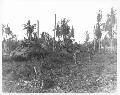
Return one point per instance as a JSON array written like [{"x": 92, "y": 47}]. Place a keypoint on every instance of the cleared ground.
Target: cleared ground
[{"x": 98, "y": 75}]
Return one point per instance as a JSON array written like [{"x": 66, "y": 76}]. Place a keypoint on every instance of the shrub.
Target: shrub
[
  {"x": 6, "y": 59},
  {"x": 48, "y": 83},
  {"x": 19, "y": 58},
  {"x": 25, "y": 71}
]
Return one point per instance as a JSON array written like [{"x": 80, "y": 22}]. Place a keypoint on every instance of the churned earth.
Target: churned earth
[{"x": 98, "y": 75}]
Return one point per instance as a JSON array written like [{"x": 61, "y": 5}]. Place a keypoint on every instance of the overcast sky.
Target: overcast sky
[{"x": 81, "y": 13}]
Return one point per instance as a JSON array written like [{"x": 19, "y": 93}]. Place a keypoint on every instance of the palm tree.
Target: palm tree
[{"x": 30, "y": 29}]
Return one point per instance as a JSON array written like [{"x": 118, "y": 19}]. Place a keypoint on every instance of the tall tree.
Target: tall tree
[
  {"x": 8, "y": 43},
  {"x": 6, "y": 31},
  {"x": 105, "y": 43},
  {"x": 86, "y": 37},
  {"x": 30, "y": 28},
  {"x": 58, "y": 31},
  {"x": 65, "y": 28},
  {"x": 71, "y": 34},
  {"x": 98, "y": 30},
  {"x": 111, "y": 24}
]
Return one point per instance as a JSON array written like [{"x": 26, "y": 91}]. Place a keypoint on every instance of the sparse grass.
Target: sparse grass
[{"x": 98, "y": 75}]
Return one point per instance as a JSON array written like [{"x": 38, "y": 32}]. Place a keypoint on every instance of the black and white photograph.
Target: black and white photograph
[{"x": 59, "y": 46}]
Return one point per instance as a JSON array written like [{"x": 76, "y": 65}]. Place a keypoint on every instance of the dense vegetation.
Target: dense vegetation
[{"x": 44, "y": 64}]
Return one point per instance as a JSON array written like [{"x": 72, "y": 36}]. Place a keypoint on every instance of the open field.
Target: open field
[{"x": 98, "y": 75}]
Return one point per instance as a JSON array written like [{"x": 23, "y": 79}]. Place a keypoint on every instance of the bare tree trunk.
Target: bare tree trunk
[
  {"x": 111, "y": 46},
  {"x": 64, "y": 39},
  {"x": 42, "y": 84},
  {"x": 89, "y": 53},
  {"x": 54, "y": 34},
  {"x": 35, "y": 70},
  {"x": 74, "y": 57},
  {"x": 58, "y": 38},
  {"x": 53, "y": 43},
  {"x": 94, "y": 44},
  {"x": 105, "y": 48},
  {"x": 103, "y": 44},
  {"x": 99, "y": 45},
  {"x": 38, "y": 28}
]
